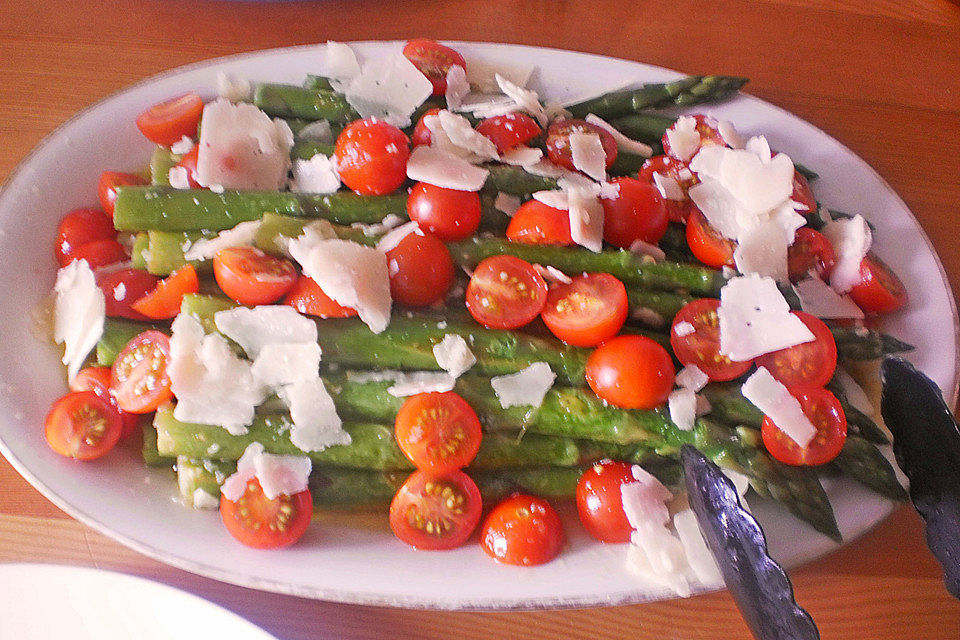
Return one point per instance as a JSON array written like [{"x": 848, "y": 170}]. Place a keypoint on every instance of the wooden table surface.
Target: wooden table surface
[{"x": 882, "y": 76}]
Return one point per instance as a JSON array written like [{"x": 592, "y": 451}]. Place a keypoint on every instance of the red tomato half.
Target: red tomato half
[
  {"x": 631, "y": 372},
  {"x": 826, "y": 414},
  {"x": 706, "y": 243},
  {"x": 259, "y": 522},
  {"x": 97, "y": 379},
  {"x": 421, "y": 134},
  {"x": 372, "y": 157},
  {"x": 101, "y": 253},
  {"x": 139, "y": 377},
  {"x": 810, "y": 251},
  {"x": 701, "y": 347},
  {"x": 164, "y": 301},
  {"x": 250, "y": 276},
  {"x": 510, "y": 130},
  {"x": 600, "y": 503},
  {"x": 537, "y": 223},
  {"x": 505, "y": 293},
  {"x": 436, "y": 511},
  {"x": 803, "y": 194},
  {"x": 448, "y": 214},
  {"x": 637, "y": 213},
  {"x": 421, "y": 270},
  {"x": 124, "y": 287},
  {"x": 107, "y": 186},
  {"x": 433, "y": 60},
  {"x": 810, "y": 364},
  {"x": 189, "y": 162},
  {"x": 587, "y": 311},
  {"x": 438, "y": 432},
  {"x": 558, "y": 141},
  {"x": 879, "y": 290},
  {"x": 678, "y": 170},
  {"x": 167, "y": 122},
  {"x": 307, "y": 297},
  {"x": 707, "y": 127},
  {"x": 79, "y": 227},
  {"x": 522, "y": 530},
  {"x": 82, "y": 425}
]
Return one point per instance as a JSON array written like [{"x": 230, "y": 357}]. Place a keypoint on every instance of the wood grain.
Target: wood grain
[{"x": 882, "y": 76}]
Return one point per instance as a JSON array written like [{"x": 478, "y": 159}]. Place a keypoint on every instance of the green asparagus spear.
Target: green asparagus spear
[
  {"x": 206, "y": 476},
  {"x": 289, "y": 101},
  {"x": 686, "y": 91},
  {"x": 855, "y": 343},
  {"x": 863, "y": 462},
  {"x": 645, "y": 127},
  {"x": 117, "y": 332},
  {"x": 516, "y": 181},
  {"x": 161, "y": 162}
]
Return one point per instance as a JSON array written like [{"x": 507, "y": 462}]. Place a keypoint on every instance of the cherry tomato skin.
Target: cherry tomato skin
[
  {"x": 82, "y": 425},
  {"x": 308, "y": 298},
  {"x": 810, "y": 251},
  {"x": 259, "y": 522},
  {"x": 810, "y": 364},
  {"x": 558, "y": 141},
  {"x": 706, "y": 243},
  {"x": 600, "y": 503},
  {"x": 252, "y": 277},
  {"x": 702, "y": 346},
  {"x": 164, "y": 301},
  {"x": 372, "y": 157},
  {"x": 107, "y": 187},
  {"x": 168, "y": 121},
  {"x": 438, "y": 432},
  {"x": 631, "y": 372},
  {"x": 124, "y": 287},
  {"x": 101, "y": 253},
  {"x": 421, "y": 270},
  {"x": 803, "y": 194},
  {"x": 707, "y": 127},
  {"x": 639, "y": 212},
  {"x": 433, "y": 60},
  {"x": 436, "y": 511},
  {"x": 826, "y": 414},
  {"x": 678, "y": 170},
  {"x": 879, "y": 289},
  {"x": 537, "y": 223},
  {"x": 139, "y": 376},
  {"x": 189, "y": 162},
  {"x": 97, "y": 379},
  {"x": 589, "y": 310},
  {"x": 505, "y": 292},
  {"x": 78, "y": 228},
  {"x": 522, "y": 530},
  {"x": 421, "y": 134},
  {"x": 509, "y": 130},
  {"x": 448, "y": 214}
]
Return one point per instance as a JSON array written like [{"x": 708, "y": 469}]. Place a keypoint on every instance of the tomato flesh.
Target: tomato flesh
[
  {"x": 505, "y": 292},
  {"x": 167, "y": 122},
  {"x": 307, "y": 297},
  {"x": 252, "y": 277},
  {"x": 97, "y": 379},
  {"x": 372, "y": 157},
  {"x": 810, "y": 252},
  {"x": 124, "y": 287},
  {"x": 589, "y": 310},
  {"x": 509, "y": 130},
  {"x": 803, "y": 194},
  {"x": 421, "y": 134},
  {"x": 824, "y": 411},
  {"x": 189, "y": 163},
  {"x": 677, "y": 170},
  {"x": 701, "y": 346},
  {"x": 101, "y": 253},
  {"x": 706, "y": 243},
  {"x": 79, "y": 227},
  {"x": 631, "y": 372},
  {"x": 638, "y": 212},
  {"x": 107, "y": 186},
  {"x": 522, "y": 530},
  {"x": 164, "y": 301},
  {"x": 82, "y": 425},
  {"x": 264, "y": 523},
  {"x": 436, "y": 511},
  {"x": 438, "y": 432},
  {"x": 139, "y": 377},
  {"x": 810, "y": 364},
  {"x": 421, "y": 270},
  {"x": 433, "y": 60},
  {"x": 879, "y": 289},
  {"x": 448, "y": 214},
  {"x": 537, "y": 223},
  {"x": 600, "y": 503},
  {"x": 558, "y": 141}
]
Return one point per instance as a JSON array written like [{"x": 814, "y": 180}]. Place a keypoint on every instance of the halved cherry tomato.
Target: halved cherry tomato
[
  {"x": 706, "y": 243},
  {"x": 421, "y": 270},
  {"x": 701, "y": 347},
  {"x": 168, "y": 121},
  {"x": 436, "y": 511},
  {"x": 107, "y": 186},
  {"x": 78, "y": 228},
  {"x": 803, "y": 194},
  {"x": 433, "y": 60},
  {"x": 810, "y": 364},
  {"x": 101, "y": 253},
  {"x": 537, "y": 223},
  {"x": 678, "y": 170},
  {"x": 505, "y": 292},
  {"x": 124, "y": 287},
  {"x": 421, "y": 134},
  {"x": 139, "y": 377},
  {"x": 509, "y": 130},
  {"x": 82, "y": 425},
  {"x": 639, "y": 212},
  {"x": 164, "y": 301},
  {"x": 558, "y": 141},
  {"x": 709, "y": 131},
  {"x": 372, "y": 156},
  {"x": 307, "y": 297},
  {"x": 810, "y": 251},
  {"x": 631, "y": 372},
  {"x": 259, "y": 522},
  {"x": 448, "y": 214},
  {"x": 879, "y": 290},
  {"x": 600, "y": 503},
  {"x": 587, "y": 311},
  {"x": 189, "y": 162},
  {"x": 97, "y": 379},
  {"x": 250, "y": 276},
  {"x": 522, "y": 530},
  {"x": 826, "y": 414},
  {"x": 438, "y": 432}
]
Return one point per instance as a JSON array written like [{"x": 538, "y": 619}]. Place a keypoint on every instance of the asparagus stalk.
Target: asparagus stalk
[
  {"x": 686, "y": 91},
  {"x": 289, "y": 101},
  {"x": 863, "y": 462},
  {"x": 515, "y": 181}
]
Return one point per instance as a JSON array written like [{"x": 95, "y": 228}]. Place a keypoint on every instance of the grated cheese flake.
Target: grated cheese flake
[
  {"x": 778, "y": 404},
  {"x": 684, "y": 138},
  {"x": 623, "y": 142},
  {"x": 506, "y": 203},
  {"x": 443, "y": 169},
  {"x": 206, "y": 248},
  {"x": 316, "y": 175},
  {"x": 278, "y": 474},
  {"x": 692, "y": 377},
  {"x": 453, "y": 355},
  {"x": 851, "y": 239},
  {"x": 755, "y": 319},
  {"x": 457, "y": 87},
  {"x": 586, "y": 219},
  {"x": 588, "y": 155},
  {"x": 819, "y": 299},
  {"x": 388, "y": 87},
  {"x": 79, "y": 313},
  {"x": 527, "y": 387},
  {"x": 316, "y": 424},
  {"x": 255, "y": 328},
  {"x": 682, "y": 404}
]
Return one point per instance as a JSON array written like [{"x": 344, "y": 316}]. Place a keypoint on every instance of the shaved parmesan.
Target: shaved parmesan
[
  {"x": 316, "y": 175},
  {"x": 390, "y": 221},
  {"x": 528, "y": 387},
  {"x": 182, "y": 146},
  {"x": 409, "y": 384},
  {"x": 684, "y": 328},
  {"x": 588, "y": 155},
  {"x": 178, "y": 177},
  {"x": 286, "y": 363},
  {"x": 462, "y": 134},
  {"x": 760, "y": 186},
  {"x": 763, "y": 251},
  {"x": 316, "y": 424},
  {"x": 692, "y": 377},
  {"x": 339, "y": 63},
  {"x": 623, "y": 142},
  {"x": 586, "y": 220},
  {"x": 521, "y": 156},
  {"x": 657, "y": 555},
  {"x": 851, "y": 239},
  {"x": 457, "y": 87},
  {"x": 206, "y": 248},
  {"x": 645, "y": 500},
  {"x": 552, "y": 274},
  {"x": 526, "y": 99},
  {"x": 730, "y": 134},
  {"x": 443, "y": 169},
  {"x": 453, "y": 355},
  {"x": 684, "y": 138},
  {"x": 778, "y": 404},
  {"x": 388, "y": 87},
  {"x": 554, "y": 198},
  {"x": 231, "y": 88},
  {"x": 318, "y": 130},
  {"x": 256, "y": 327},
  {"x": 682, "y": 404},
  {"x": 819, "y": 299},
  {"x": 79, "y": 314},
  {"x": 278, "y": 475},
  {"x": 718, "y": 206},
  {"x": 669, "y": 188},
  {"x": 698, "y": 555},
  {"x": 482, "y": 73},
  {"x": 755, "y": 319},
  {"x": 392, "y": 238},
  {"x": 506, "y": 203},
  {"x": 759, "y": 146},
  {"x": 642, "y": 248}
]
